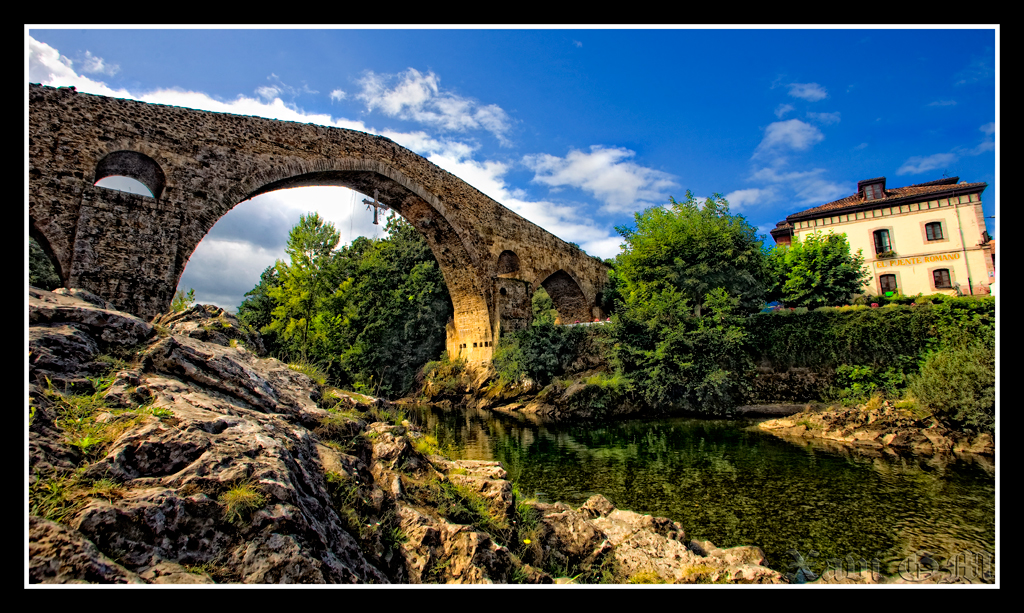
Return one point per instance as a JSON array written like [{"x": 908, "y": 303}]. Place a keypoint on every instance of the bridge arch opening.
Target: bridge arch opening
[
  {"x": 471, "y": 335},
  {"x": 569, "y": 300},
  {"x": 130, "y": 171},
  {"x": 44, "y": 267},
  {"x": 508, "y": 263}
]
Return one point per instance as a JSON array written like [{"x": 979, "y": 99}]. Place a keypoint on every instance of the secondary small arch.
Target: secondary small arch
[
  {"x": 508, "y": 262},
  {"x": 133, "y": 165}
]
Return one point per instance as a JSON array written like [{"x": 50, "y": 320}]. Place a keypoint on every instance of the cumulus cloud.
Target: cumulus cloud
[
  {"x": 919, "y": 164},
  {"x": 622, "y": 185},
  {"x": 791, "y": 134},
  {"x": 418, "y": 97},
  {"x": 783, "y": 109},
  {"x": 337, "y": 94},
  {"x": 742, "y": 198},
  {"x": 812, "y": 92},
  {"x": 825, "y": 118}
]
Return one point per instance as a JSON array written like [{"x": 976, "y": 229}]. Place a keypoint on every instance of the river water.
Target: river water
[{"x": 728, "y": 482}]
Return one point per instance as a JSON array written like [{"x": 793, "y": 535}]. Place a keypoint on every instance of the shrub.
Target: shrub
[{"x": 958, "y": 385}]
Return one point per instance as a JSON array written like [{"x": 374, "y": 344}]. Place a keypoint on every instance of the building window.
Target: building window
[
  {"x": 941, "y": 278},
  {"x": 882, "y": 242},
  {"x": 887, "y": 283},
  {"x": 933, "y": 231}
]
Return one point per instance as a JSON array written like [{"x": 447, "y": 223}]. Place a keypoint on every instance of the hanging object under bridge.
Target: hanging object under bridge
[{"x": 377, "y": 206}]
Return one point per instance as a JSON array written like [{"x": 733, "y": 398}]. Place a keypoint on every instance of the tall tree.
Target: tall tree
[
  {"x": 692, "y": 249},
  {"x": 687, "y": 276},
  {"x": 818, "y": 271},
  {"x": 389, "y": 314},
  {"x": 304, "y": 283}
]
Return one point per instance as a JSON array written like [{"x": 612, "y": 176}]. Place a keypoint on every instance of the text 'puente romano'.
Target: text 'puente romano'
[{"x": 132, "y": 249}]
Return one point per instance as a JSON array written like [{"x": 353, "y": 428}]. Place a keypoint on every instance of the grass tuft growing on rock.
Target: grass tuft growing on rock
[{"x": 241, "y": 500}]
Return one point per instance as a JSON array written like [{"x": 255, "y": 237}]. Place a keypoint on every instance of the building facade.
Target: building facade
[{"x": 920, "y": 239}]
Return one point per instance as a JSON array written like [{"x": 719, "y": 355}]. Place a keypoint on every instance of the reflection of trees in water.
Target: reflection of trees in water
[{"x": 735, "y": 486}]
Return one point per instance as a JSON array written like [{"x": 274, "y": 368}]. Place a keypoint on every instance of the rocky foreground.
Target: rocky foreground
[{"x": 174, "y": 451}]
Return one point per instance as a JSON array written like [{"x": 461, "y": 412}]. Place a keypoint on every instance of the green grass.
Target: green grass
[
  {"x": 241, "y": 500},
  {"x": 59, "y": 495},
  {"x": 313, "y": 371}
]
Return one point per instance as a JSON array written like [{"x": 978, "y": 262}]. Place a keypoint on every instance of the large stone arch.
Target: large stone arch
[
  {"x": 443, "y": 229},
  {"x": 131, "y": 249}
]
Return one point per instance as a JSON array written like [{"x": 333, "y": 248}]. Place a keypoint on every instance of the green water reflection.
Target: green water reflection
[{"x": 729, "y": 483}]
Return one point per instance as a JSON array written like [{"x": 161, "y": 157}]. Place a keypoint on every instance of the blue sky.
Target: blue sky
[{"x": 575, "y": 129}]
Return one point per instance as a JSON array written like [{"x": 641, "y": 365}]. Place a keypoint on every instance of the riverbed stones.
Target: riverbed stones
[{"x": 883, "y": 427}]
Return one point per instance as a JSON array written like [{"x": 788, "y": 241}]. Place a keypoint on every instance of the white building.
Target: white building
[{"x": 919, "y": 239}]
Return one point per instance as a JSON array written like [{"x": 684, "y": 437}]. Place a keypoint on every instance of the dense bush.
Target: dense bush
[
  {"x": 540, "y": 352},
  {"x": 881, "y": 337},
  {"x": 958, "y": 385},
  {"x": 695, "y": 364}
]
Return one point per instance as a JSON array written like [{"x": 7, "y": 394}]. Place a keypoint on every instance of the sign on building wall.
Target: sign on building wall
[{"x": 924, "y": 259}]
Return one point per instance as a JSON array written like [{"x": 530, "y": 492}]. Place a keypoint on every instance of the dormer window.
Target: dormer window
[{"x": 872, "y": 189}]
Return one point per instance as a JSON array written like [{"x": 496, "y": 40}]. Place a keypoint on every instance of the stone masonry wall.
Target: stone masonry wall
[{"x": 132, "y": 250}]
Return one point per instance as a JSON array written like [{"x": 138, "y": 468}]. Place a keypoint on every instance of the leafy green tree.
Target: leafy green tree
[
  {"x": 817, "y": 271},
  {"x": 257, "y": 310},
  {"x": 388, "y": 315},
  {"x": 543, "y": 307},
  {"x": 41, "y": 271},
  {"x": 692, "y": 250},
  {"x": 304, "y": 283},
  {"x": 687, "y": 276}
]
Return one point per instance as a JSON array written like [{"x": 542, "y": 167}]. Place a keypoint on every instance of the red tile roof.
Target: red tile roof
[{"x": 911, "y": 192}]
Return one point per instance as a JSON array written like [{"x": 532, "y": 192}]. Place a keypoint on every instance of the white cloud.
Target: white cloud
[
  {"x": 811, "y": 92},
  {"x": 989, "y": 128},
  {"x": 744, "y": 197},
  {"x": 791, "y": 134},
  {"x": 825, "y": 118},
  {"x": 783, "y": 109},
  {"x": 418, "y": 97},
  {"x": 919, "y": 164},
  {"x": 47, "y": 66},
  {"x": 570, "y": 222},
  {"x": 268, "y": 92},
  {"x": 943, "y": 103},
  {"x": 577, "y": 43},
  {"x": 337, "y": 94},
  {"x": 621, "y": 185},
  {"x": 860, "y": 146},
  {"x": 95, "y": 64},
  {"x": 808, "y": 186}
]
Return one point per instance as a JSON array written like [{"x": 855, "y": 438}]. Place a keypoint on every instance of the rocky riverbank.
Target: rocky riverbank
[
  {"x": 174, "y": 451},
  {"x": 881, "y": 427}
]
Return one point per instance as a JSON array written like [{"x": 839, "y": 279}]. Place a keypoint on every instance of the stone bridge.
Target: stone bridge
[{"x": 132, "y": 249}]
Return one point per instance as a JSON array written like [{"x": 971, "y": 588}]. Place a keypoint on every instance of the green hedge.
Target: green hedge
[{"x": 880, "y": 337}]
